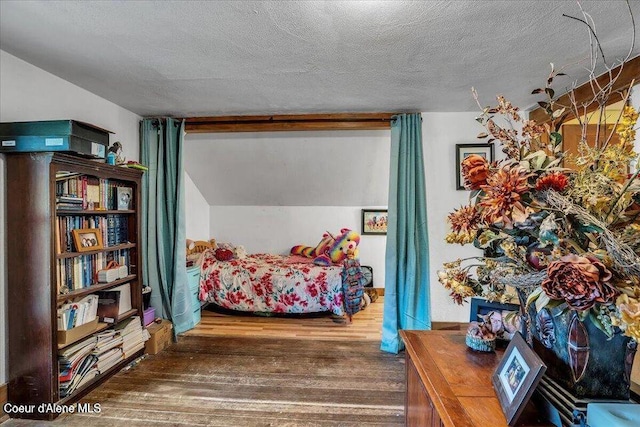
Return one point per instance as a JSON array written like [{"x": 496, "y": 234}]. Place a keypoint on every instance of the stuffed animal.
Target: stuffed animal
[
  {"x": 240, "y": 252},
  {"x": 225, "y": 245},
  {"x": 311, "y": 251},
  {"x": 345, "y": 246}
]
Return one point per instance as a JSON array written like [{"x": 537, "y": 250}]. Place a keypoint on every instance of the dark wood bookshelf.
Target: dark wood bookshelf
[
  {"x": 33, "y": 271},
  {"x": 68, "y": 212},
  {"x": 94, "y": 288},
  {"x": 97, "y": 251}
]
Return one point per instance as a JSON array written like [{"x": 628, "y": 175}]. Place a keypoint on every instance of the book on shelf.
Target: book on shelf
[
  {"x": 77, "y": 313},
  {"x": 108, "y": 344},
  {"x": 109, "y": 359},
  {"x": 94, "y": 193},
  {"x": 78, "y": 375},
  {"x": 83, "y": 361},
  {"x": 81, "y": 272},
  {"x": 114, "y": 302},
  {"x": 114, "y": 229}
]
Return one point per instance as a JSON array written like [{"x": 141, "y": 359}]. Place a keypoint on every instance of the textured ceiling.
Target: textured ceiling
[{"x": 189, "y": 58}]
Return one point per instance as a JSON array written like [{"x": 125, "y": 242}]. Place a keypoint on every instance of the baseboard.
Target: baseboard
[
  {"x": 451, "y": 326},
  {"x": 3, "y": 400}
]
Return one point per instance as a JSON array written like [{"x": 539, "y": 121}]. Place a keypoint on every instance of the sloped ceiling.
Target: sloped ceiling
[
  {"x": 341, "y": 168},
  {"x": 189, "y": 58}
]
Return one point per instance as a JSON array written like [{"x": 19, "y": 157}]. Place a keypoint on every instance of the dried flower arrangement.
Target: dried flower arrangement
[{"x": 559, "y": 236}]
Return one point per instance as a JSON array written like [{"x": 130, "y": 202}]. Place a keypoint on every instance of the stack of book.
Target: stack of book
[
  {"x": 133, "y": 335},
  {"x": 93, "y": 193},
  {"x": 69, "y": 202},
  {"x": 82, "y": 362},
  {"x": 77, "y": 366},
  {"x": 108, "y": 350}
]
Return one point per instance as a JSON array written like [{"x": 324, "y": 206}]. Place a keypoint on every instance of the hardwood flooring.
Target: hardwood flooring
[
  {"x": 365, "y": 325},
  {"x": 254, "y": 371}
]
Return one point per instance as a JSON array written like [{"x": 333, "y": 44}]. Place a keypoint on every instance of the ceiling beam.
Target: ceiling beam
[
  {"x": 584, "y": 93},
  {"x": 289, "y": 122}
]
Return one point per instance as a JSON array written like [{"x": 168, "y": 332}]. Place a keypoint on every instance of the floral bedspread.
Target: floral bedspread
[{"x": 271, "y": 283}]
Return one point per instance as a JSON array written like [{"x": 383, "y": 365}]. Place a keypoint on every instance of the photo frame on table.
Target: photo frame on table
[
  {"x": 87, "y": 239},
  {"x": 374, "y": 221},
  {"x": 465, "y": 150},
  {"x": 480, "y": 305},
  {"x": 516, "y": 377}
]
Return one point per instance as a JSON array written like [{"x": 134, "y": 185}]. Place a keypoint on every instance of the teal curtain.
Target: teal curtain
[
  {"x": 163, "y": 222},
  {"x": 406, "y": 295}
]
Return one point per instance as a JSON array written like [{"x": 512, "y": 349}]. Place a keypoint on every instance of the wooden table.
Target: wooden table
[{"x": 449, "y": 384}]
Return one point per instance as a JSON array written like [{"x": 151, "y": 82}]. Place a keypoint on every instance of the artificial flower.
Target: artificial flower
[
  {"x": 475, "y": 169},
  {"x": 504, "y": 190},
  {"x": 459, "y": 283},
  {"x": 556, "y": 181},
  {"x": 629, "y": 315},
  {"x": 571, "y": 234},
  {"x": 580, "y": 281},
  {"x": 464, "y": 223}
]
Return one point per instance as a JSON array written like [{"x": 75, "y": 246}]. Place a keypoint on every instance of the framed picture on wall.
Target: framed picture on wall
[
  {"x": 374, "y": 221},
  {"x": 465, "y": 150}
]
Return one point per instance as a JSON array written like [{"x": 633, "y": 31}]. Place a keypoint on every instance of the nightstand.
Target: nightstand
[{"x": 193, "y": 278}]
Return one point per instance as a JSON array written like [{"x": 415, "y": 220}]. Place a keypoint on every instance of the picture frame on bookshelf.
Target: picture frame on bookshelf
[
  {"x": 87, "y": 239},
  {"x": 124, "y": 196}
]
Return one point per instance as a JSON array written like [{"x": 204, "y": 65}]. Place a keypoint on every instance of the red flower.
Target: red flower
[
  {"x": 555, "y": 181},
  {"x": 257, "y": 289},
  {"x": 289, "y": 299},
  {"x": 235, "y": 298},
  {"x": 312, "y": 290}
]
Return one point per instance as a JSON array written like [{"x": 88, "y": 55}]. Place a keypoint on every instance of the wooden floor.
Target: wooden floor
[
  {"x": 255, "y": 371},
  {"x": 365, "y": 325}
]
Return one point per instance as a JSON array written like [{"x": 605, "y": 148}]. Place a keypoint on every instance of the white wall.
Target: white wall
[
  {"x": 275, "y": 229},
  {"x": 30, "y": 93},
  {"x": 196, "y": 211},
  {"x": 440, "y": 133}
]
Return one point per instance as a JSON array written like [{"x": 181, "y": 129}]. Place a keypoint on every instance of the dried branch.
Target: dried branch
[{"x": 592, "y": 32}]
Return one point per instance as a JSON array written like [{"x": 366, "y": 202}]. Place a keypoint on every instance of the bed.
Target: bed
[{"x": 267, "y": 283}]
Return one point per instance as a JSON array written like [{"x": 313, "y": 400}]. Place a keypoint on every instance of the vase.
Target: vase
[{"x": 579, "y": 356}]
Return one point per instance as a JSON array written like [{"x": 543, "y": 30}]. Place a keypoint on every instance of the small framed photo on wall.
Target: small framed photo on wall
[
  {"x": 465, "y": 150},
  {"x": 374, "y": 221}
]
